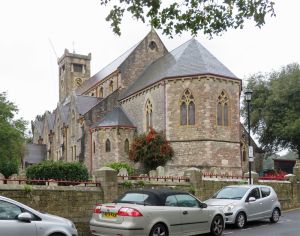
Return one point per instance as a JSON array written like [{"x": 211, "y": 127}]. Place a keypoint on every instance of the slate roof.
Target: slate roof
[
  {"x": 117, "y": 117},
  {"x": 50, "y": 119},
  {"x": 106, "y": 71},
  {"x": 64, "y": 112},
  {"x": 39, "y": 125},
  {"x": 191, "y": 58},
  {"x": 86, "y": 103},
  {"x": 35, "y": 153}
]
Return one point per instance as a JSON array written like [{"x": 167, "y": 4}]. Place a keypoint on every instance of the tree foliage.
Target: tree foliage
[
  {"x": 152, "y": 150},
  {"x": 11, "y": 137},
  {"x": 275, "y": 108},
  {"x": 212, "y": 17}
]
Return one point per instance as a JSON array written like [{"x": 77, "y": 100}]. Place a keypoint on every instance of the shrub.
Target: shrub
[
  {"x": 119, "y": 165},
  {"x": 9, "y": 167},
  {"x": 59, "y": 170},
  {"x": 152, "y": 150}
]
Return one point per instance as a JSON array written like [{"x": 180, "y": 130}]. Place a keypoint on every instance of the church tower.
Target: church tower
[{"x": 74, "y": 69}]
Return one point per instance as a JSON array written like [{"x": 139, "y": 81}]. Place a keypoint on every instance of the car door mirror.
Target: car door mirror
[
  {"x": 252, "y": 199},
  {"x": 25, "y": 217},
  {"x": 203, "y": 205}
]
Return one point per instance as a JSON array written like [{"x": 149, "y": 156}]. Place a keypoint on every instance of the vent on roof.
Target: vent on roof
[{"x": 152, "y": 45}]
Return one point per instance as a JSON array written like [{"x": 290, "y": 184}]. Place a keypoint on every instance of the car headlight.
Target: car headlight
[
  {"x": 72, "y": 224},
  {"x": 228, "y": 208}
]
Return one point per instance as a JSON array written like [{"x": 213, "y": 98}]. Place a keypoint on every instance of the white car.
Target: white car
[
  {"x": 242, "y": 203},
  {"x": 156, "y": 212},
  {"x": 17, "y": 219}
]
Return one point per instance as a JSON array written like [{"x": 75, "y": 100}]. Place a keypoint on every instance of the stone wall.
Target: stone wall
[{"x": 74, "y": 203}]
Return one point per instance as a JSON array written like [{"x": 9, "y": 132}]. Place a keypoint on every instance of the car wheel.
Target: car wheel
[
  {"x": 275, "y": 216},
  {"x": 159, "y": 230},
  {"x": 217, "y": 226},
  {"x": 240, "y": 220}
]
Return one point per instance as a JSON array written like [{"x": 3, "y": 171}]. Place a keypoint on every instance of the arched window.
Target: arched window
[
  {"x": 149, "y": 123},
  {"x": 107, "y": 145},
  {"x": 223, "y": 110},
  {"x": 126, "y": 146},
  {"x": 101, "y": 92},
  {"x": 187, "y": 108},
  {"x": 111, "y": 86},
  {"x": 94, "y": 147}
]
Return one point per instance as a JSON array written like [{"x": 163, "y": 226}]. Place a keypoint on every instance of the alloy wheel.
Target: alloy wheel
[
  {"x": 275, "y": 216},
  {"x": 159, "y": 230},
  {"x": 240, "y": 220},
  {"x": 217, "y": 226}
]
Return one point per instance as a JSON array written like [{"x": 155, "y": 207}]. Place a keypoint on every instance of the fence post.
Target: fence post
[
  {"x": 293, "y": 179},
  {"x": 296, "y": 170},
  {"x": 195, "y": 176},
  {"x": 109, "y": 183}
]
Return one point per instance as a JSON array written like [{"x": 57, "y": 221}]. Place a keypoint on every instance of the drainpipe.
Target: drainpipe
[{"x": 91, "y": 152}]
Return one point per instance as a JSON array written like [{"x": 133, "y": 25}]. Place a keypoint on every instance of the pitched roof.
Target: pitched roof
[
  {"x": 106, "y": 71},
  {"x": 50, "y": 120},
  {"x": 117, "y": 117},
  {"x": 191, "y": 58},
  {"x": 39, "y": 125},
  {"x": 86, "y": 103},
  {"x": 64, "y": 112}
]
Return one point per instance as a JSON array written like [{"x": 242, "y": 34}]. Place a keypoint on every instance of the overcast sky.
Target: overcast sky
[{"x": 29, "y": 28}]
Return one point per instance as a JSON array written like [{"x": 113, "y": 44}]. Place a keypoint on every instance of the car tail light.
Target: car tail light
[
  {"x": 127, "y": 211},
  {"x": 97, "y": 209}
]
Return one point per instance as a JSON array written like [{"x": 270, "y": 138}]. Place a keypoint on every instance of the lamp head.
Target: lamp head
[{"x": 248, "y": 95}]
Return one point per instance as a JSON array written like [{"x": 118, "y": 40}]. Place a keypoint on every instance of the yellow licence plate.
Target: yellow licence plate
[{"x": 110, "y": 215}]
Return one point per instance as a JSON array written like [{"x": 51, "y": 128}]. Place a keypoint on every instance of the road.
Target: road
[{"x": 288, "y": 225}]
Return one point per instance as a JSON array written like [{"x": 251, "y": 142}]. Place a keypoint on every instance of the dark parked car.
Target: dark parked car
[
  {"x": 156, "y": 212},
  {"x": 242, "y": 203}
]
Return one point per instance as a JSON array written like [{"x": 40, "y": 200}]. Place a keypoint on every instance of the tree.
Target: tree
[
  {"x": 152, "y": 150},
  {"x": 11, "y": 137},
  {"x": 275, "y": 108},
  {"x": 210, "y": 16}
]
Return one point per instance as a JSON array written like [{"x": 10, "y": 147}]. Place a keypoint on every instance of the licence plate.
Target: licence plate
[{"x": 110, "y": 215}]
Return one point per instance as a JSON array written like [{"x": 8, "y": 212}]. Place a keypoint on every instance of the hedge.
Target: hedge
[{"x": 69, "y": 171}]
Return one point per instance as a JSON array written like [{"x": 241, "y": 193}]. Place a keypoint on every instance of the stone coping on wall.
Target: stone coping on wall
[{"x": 54, "y": 188}]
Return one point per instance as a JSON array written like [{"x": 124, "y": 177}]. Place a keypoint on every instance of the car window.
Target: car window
[
  {"x": 9, "y": 211},
  {"x": 185, "y": 200},
  {"x": 254, "y": 193},
  {"x": 171, "y": 201},
  {"x": 236, "y": 193},
  {"x": 265, "y": 191}
]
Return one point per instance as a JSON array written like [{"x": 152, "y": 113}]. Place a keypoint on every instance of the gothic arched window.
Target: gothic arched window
[
  {"x": 101, "y": 92},
  {"x": 187, "y": 108},
  {"x": 107, "y": 145},
  {"x": 111, "y": 86},
  {"x": 149, "y": 123},
  {"x": 126, "y": 146},
  {"x": 223, "y": 109}
]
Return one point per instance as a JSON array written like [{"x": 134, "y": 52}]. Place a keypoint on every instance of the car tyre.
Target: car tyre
[
  {"x": 275, "y": 216},
  {"x": 159, "y": 230},
  {"x": 217, "y": 226},
  {"x": 240, "y": 220}
]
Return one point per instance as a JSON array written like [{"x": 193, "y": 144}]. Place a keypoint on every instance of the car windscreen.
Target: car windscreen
[
  {"x": 137, "y": 198},
  {"x": 231, "y": 193}
]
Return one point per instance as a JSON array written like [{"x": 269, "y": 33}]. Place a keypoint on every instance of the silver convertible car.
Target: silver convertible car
[
  {"x": 156, "y": 212},
  {"x": 17, "y": 219},
  {"x": 242, "y": 203}
]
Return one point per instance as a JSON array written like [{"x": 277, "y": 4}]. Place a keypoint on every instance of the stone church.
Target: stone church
[{"x": 187, "y": 93}]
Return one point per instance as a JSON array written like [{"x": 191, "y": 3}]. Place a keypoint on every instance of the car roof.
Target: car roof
[
  {"x": 158, "y": 196},
  {"x": 248, "y": 186}
]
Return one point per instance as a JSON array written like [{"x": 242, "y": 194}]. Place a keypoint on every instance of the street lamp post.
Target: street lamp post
[{"x": 248, "y": 97}]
